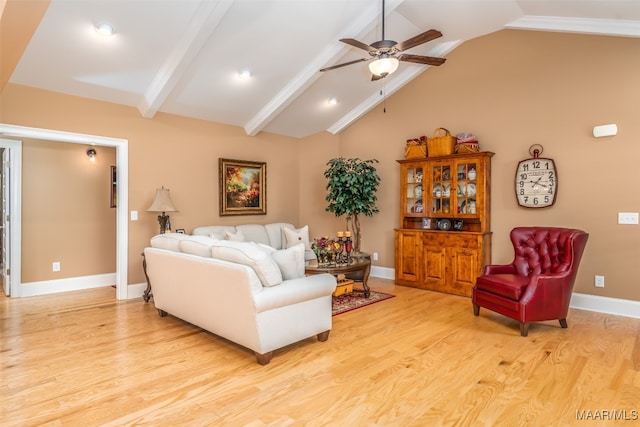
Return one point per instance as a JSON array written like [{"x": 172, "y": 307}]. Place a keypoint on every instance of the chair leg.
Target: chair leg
[
  {"x": 476, "y": 310},
  {"x": 524, "y": 329},
  {"x": 563, "y": 323}
]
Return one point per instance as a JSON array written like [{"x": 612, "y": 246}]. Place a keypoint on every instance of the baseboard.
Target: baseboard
[
  {"x": 136, "y": 290},
  {"x": 619, "y": 307},
  {"x": 65, "y": 285},
  {"x": 383, "y": 272}
]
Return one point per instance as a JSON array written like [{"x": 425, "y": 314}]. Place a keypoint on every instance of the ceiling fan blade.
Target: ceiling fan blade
[
  {"x": 427, "y": 36},
  {"x": 358, "y": 44},
  {"x": 418, "y": 59},
  {"x": 345, "y": 64}
]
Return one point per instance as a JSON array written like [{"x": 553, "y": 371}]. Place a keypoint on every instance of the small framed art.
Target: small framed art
[{"x": 243, "y": 187}]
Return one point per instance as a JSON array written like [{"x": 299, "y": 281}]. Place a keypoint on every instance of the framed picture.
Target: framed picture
[
  {"x": 243, "y": 187},
  {"x": 114, "y": 187}
]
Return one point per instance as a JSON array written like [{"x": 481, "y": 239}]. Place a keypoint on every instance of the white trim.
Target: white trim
[
  {"x": 136, "y": 290},
  {"x": 15, "y": 211},
  {"x": 46, "y": 287},
  {"x": 122, "y": 163},
  {"x": 617, "y": 306},
  {"x": 383, "y": 272},
  {"x": 606, "y": 27}
]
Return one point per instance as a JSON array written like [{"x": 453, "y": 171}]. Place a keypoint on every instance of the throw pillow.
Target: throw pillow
[
  {"x": 248, "y": 254},
  {"x": 293, "y": 237},
  {"x": 234, "y": 237},
  {"x": 290, "y": 261}
]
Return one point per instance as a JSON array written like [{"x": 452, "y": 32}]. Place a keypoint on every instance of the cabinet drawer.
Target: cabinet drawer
[{"x": 452, "y": 239}]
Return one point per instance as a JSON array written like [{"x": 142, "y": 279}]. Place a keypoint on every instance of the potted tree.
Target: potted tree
[{"x": 352, "y": 186}]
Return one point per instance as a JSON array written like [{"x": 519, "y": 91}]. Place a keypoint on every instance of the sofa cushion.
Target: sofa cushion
[
  {"x": 169, "y": 241},
  {"x": 248, "y": 254},
  {"x": 276, "y": 235},
  {"x": 254, "y": 233},
  {"x": 290, "y": 261},
  {"x": 295, "y": 236},
  {"x": 235, "y": 236},
  {"x": 197, "y": 245}
]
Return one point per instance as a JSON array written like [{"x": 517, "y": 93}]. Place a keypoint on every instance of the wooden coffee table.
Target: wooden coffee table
[{"x": 358, "y": 268}]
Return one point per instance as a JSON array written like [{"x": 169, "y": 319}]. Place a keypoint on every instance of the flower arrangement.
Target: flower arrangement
[{"x": 326, "y": 249}]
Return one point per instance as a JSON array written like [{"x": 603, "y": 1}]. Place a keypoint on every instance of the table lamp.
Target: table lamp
[{"x": 162, "y": 203}]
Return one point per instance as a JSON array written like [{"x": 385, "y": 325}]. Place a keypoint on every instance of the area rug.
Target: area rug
[{"x": 354, "y": 300}]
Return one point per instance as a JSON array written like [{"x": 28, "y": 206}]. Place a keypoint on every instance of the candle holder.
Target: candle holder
[{"x": 348, "y": 247}]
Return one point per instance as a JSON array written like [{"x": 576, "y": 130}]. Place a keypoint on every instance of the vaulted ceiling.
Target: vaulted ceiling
[{"x": 184, "y": 56}]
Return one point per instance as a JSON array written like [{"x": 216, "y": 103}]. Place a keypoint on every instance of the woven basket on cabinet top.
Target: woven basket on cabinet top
[{"x": 441, "y": 143}]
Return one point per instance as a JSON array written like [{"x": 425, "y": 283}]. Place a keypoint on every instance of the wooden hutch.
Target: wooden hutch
[{"x": 444, "y": 239}]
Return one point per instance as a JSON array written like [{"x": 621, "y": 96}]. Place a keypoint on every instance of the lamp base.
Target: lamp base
[{"x": 165, "y": 223}]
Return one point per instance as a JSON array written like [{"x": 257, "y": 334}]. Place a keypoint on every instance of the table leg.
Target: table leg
[{"x": 146, "y": 296}]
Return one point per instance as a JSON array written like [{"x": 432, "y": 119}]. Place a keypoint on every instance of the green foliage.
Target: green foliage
[{"x": 352, "y": 186}]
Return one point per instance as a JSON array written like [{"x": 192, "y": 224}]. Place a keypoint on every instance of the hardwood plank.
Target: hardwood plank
[{"x": 422, "y": 358}]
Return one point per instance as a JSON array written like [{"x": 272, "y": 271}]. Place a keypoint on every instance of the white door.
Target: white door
[
  {"x": 6, "y": 230},
  {"x": 5, "y": 235}
]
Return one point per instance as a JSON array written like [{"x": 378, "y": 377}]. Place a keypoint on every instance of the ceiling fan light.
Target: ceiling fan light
[{"x": 384, "y": 66}]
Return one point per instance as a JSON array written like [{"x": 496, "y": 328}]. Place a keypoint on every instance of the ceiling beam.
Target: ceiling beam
[
  {"x": 608, "y": 27},
  {"x": 205, "y": 20},
  {"x": 296, "y": 86}
]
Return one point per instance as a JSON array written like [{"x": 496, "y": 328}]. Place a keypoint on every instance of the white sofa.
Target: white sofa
[{"x": 194, "y": 280}]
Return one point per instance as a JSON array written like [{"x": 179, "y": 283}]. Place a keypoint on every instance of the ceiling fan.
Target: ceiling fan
[{"x": 385, "y": 53}]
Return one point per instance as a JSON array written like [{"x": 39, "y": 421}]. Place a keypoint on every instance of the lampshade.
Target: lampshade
[
  {"x": 162, "y": 202},
  {"x": 384, "y": 65}
]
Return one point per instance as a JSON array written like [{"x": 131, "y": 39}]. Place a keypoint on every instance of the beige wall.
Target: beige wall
[
  {"x": 512, "y": 89},
  {"x": 178, "y": 153},
  {"x": 66, "y": 213}
]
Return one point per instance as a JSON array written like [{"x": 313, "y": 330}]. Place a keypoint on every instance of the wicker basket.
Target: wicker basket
[
  {"x": 467, "y": 147},
  {"x": 416, "y": 148},
  {"x": 441, "y": 143},
  {"x": 414, "y": 151}
]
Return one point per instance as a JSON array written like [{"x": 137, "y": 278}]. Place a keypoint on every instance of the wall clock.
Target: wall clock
[{"x": 536, "y": 180}]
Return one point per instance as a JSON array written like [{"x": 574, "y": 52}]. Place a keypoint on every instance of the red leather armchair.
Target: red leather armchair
[{"x": 537, "y": 285}]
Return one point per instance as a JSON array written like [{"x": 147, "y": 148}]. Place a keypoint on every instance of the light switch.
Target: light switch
[{"x": 134, "y": 215}]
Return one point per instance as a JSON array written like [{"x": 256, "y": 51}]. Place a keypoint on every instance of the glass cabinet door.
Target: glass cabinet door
[
  {"x": 414, "y": 203},
  {"x": 466, "y": 188},
  {"x": 441, "y": 189}
]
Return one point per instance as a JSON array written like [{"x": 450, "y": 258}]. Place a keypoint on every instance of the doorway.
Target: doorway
[{"x": 122, "y": 164}]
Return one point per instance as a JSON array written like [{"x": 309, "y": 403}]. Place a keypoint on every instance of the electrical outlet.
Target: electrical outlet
[
  {"x": 627, "y": 217},
  {"x": 375, "y": 256},
  {"x": 55, "y": 266},
  {"x": 599, "y": 282}
]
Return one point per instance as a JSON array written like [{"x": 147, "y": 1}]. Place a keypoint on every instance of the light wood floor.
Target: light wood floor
[{"x": 420, "y": 359}]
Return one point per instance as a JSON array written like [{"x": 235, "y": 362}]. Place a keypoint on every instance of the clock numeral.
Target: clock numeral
[
  {"x": 550, "y": 175},
  {"x": 526, "y": 199},
  {"x": 546, "y": 199},
  {"x": 523, "y": 176},
  {"x": 536, "y": 164},
  {"x": 521, "y": 184},
  {"x": 522, "y": 191},
  {"x": 525, "y": 167},
  {"x": 535, "y": 200}
]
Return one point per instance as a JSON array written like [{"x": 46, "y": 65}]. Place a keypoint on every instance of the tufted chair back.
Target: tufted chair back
[
  {"x": 542, "y": 250},
  {"x": 538, "y": 284}
]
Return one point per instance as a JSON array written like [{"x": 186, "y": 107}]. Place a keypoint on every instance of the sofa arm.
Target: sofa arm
[{"x": 294, "y": 291}]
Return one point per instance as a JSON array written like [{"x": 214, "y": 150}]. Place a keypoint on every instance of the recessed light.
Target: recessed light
[
  {"x": 244, "y": 74},
  {"x": 105, "y": 30},
  {"x": 332, "y": 101}
]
